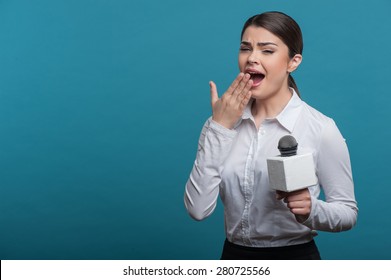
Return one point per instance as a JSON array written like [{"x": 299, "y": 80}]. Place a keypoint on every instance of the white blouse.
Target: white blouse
[{"x": 232, "y": 163}]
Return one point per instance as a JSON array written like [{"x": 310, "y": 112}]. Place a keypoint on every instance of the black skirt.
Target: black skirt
[{"x": 306, "y": 251}]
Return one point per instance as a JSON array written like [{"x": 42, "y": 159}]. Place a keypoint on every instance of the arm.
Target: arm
[
  {"x": 202, "y": 187},
  {"x": 339, "y": 211}
]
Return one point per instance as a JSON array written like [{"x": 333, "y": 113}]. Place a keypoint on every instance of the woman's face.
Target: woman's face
[{"x": 265, "y": 57}]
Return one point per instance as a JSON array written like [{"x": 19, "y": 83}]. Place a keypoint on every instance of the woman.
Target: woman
[{"x": 262, "y": 105}]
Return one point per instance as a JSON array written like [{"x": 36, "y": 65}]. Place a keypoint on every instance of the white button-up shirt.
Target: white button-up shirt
[{"x": 232, "y": 163}]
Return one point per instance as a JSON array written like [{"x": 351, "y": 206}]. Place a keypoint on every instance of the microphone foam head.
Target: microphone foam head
[{"x": 287, "y": 146}]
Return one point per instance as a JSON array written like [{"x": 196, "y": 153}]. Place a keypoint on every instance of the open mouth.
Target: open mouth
[{"x": 257, "y": 78}]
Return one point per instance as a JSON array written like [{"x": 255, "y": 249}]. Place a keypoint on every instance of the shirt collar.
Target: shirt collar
[
  {"x": 247, "y": 111},
  {"x": 288, "y": 116}
]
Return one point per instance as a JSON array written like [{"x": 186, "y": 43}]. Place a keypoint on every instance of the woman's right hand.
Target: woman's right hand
[{"x": 228, "y": 109}]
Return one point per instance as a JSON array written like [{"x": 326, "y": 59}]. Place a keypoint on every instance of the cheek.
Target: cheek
[
  {"x": 277, "y": 67},
  {"x": 242, "y": 62}
]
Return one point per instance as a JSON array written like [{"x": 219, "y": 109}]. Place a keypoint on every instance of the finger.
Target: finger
[
  {"x": 242, "y": 84},
  {"x": 245, "y": 100},
  {"x": 300, "y": 195},
  {"x": 213, "y": 93},
  {"x": 244, "y": 94},
  {"x": 248, "y": 85},
  {"x": 290, "y": 197},
  {"x": 300, "y": 211},
  {"x": 235, "y": 83},
  {"x": 293, "y": 198},
  {"x": 298, "y": 204}
]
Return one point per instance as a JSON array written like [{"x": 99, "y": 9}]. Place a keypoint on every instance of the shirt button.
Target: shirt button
[{"x": 263, "y": 132}]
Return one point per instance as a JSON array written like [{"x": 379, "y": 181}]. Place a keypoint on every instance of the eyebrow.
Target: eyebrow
[{"x": 260, "y": 44}]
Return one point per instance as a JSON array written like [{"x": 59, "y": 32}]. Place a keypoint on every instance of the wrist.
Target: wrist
[{"x": 223, "y": 123}]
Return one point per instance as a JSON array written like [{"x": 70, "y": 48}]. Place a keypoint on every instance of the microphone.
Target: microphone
[
  {"x": 290, "y": 172},
  {"x": 287, "y": 146}
]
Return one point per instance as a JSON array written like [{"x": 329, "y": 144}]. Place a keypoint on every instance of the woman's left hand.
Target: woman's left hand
[{"x": 298, "y": 202}]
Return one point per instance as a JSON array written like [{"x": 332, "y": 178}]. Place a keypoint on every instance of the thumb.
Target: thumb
[{"x": 213, "y": 93}]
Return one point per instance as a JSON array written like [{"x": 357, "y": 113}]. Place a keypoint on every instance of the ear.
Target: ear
[{"x": 294, "y": 62}]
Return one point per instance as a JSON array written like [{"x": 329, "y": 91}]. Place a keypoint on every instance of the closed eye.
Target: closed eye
[{"x": 244, "y": 49}]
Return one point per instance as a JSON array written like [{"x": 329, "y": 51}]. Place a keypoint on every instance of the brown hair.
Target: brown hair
[{"x": 284, "y": 27}]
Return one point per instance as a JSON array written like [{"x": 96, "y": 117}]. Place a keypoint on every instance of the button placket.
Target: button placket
[{"x": 248, "y": 190}]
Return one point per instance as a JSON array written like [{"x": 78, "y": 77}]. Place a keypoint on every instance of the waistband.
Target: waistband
[{"x": 304, "y": 251}]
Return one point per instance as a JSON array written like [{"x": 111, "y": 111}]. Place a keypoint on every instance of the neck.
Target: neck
[{"x": 270, "y": 107}]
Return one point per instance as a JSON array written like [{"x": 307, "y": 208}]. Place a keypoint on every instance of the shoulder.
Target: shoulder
[
  {"x": 317, "y": 128},
  {"x": 314, "y": 122},
  {"x": 316, "y": 117}
]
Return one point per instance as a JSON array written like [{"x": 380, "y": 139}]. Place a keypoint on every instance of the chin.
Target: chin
[{"x": 258, "y": 93}]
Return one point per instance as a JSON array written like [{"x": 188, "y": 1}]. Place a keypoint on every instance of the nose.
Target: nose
[{"x": 253, "y": 58}]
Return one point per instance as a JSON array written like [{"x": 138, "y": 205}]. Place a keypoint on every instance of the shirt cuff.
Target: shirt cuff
[{"x": 222, "y": 130}]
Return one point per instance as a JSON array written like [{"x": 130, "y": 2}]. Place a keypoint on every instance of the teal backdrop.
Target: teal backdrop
[{"x": 102, "y": 103}]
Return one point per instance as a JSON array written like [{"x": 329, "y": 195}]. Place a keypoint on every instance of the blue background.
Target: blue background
[{"x": 102, "y": 103}]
